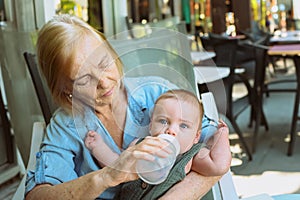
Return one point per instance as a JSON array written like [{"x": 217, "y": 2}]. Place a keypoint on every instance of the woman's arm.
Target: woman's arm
[
  {"x": 91, "y": 185},
  {"x": 193, "y": 186}
]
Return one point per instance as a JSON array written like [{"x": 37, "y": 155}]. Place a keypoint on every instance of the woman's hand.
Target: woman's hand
[{"x": 123, "y": 169}]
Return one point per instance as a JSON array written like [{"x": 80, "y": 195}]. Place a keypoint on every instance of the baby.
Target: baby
[{"x": 178, "y": 113}]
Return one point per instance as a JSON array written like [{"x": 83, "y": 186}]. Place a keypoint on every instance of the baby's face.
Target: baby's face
[{"x": 177, "y": 118}]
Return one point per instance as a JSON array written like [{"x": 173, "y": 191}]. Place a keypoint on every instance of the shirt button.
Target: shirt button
[
  {"x": 144, "y": 185},
  {"x": 38, "y": 154}
]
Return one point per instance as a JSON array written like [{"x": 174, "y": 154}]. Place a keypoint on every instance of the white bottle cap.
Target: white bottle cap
[{"x": 172, "y": 140}]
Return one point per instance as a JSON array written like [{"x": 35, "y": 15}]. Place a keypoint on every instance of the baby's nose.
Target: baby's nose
[{"x": 170, "y": 131}]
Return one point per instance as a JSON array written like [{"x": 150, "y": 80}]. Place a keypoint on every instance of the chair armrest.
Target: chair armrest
[{"x": 36, "y": 139}]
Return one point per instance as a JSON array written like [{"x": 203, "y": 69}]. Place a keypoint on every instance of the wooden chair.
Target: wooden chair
[
  {"x": 296, "y": 106},
  {"x": 224, "y": 189},
  {"x": 262, "y": 86},
  {"x": 257, "y": 114},
  {"x": 226, "y": 50}
]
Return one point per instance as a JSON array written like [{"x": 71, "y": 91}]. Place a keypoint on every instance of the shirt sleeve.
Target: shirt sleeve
[{"x": 56, "y": 160}]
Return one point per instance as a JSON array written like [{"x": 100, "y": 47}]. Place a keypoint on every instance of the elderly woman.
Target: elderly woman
[{"x": 85, "y": 77}]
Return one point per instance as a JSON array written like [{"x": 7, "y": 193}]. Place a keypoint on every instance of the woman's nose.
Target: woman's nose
[
  {"x": 102, "y": 83},
  {"x": 100, "y": 78}
]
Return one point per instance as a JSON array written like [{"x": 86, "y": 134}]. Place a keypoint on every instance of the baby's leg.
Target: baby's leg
[{"x": 99, "y": 149}]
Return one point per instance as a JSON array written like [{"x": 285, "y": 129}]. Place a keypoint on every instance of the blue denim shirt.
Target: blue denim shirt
[{"x": 63, "y": 155}]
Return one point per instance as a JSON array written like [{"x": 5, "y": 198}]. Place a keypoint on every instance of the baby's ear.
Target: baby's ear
[{"x": 197, "y": 137}]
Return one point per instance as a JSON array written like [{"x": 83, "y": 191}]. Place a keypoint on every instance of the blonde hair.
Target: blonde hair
[
  {"x": 57, "y": 45},
  {"x": 184, "y": 96}
]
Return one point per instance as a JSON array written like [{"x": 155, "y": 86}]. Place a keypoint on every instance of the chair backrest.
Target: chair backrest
[
  {"x": 41, "y": 89},
  {"x": 260, "y": 65},
  {"x": 225, "y": 50},
  {"x": 206, "y": 43},
  {"x": 224, "y": 189},
  {"x": 6, "y": 136}
]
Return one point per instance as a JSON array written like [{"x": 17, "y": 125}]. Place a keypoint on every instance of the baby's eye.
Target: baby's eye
[
  {"x": 183, "y": 125},
  {"x": 163, "y": 121}
]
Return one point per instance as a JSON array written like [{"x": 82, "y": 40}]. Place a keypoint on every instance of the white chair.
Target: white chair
[
  {"x": 36, "y": 139},
  {"x": 224, "y": 189}
]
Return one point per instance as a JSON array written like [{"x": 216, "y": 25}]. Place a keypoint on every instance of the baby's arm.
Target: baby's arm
[
  {"x": 99, "y": 149},
  {"x": 209, "y": 162}
]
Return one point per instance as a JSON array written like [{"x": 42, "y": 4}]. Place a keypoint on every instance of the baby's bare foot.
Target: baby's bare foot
[{"x": 91, "y": 140}]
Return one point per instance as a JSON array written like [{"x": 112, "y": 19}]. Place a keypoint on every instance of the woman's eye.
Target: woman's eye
[
  {"x": 163, "y": 121},
  {"x": 103, "y": 65},
  {"x": 83, "y": 81},
  {"x": 183, "y": 126},
  {"x": 106, "y": 63}
]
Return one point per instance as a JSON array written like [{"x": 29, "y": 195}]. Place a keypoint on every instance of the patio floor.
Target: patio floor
[{"x": 271, "y": 171}]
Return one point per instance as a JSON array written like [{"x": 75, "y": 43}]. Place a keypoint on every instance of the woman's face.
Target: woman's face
[
  {"x": 95, "y": 76},
  {"x": 176, "y": 118}
]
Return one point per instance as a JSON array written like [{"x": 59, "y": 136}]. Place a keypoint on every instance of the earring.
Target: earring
[{"x": 70, "y": 96}]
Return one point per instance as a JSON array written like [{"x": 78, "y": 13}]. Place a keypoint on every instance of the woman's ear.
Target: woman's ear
[{"x": 68, "y": 95}]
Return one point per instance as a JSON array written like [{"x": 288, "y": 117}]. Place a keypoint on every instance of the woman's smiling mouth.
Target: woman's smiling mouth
[{"x": 108, "y": 93}]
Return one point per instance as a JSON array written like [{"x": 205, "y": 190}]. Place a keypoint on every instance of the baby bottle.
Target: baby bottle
[{"x": 156, "y": 171}]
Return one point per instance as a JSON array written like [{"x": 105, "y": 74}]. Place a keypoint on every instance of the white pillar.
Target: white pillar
[
  {"x": 114, "y": 13},
  {"x": 177, "y": 8},
  {"x": 120, "y": 7},
  {"x": 296, "y": 7},
  {"x": 44, "y": 11}
]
